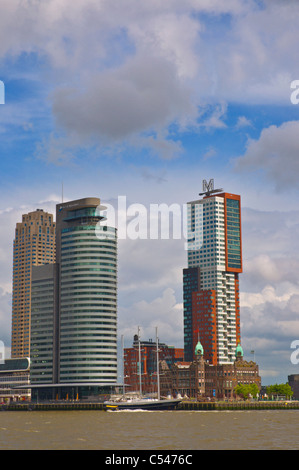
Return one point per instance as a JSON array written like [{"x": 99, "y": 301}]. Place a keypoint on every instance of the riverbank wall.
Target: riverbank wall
[
  {"x": 183, "y": 406},
  {"x": 239, "y": 405}
]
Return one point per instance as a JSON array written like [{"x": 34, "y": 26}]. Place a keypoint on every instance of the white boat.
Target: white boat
[{"x": 142, "y": 402}]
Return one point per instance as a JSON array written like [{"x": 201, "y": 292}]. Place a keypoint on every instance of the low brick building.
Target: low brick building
[
  {"x": 169, "y": 355},
  {"x": 200, "y": 380}
]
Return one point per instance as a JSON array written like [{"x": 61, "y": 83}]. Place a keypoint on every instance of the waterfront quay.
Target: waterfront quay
[
  {"x": 238, "y": 405},
  {"x": 183, "y": 406}
]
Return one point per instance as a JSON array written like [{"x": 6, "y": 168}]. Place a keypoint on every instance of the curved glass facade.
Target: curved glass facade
[
  {"x": 74, "y": 315},
  {"x": 88, "y": 300}
]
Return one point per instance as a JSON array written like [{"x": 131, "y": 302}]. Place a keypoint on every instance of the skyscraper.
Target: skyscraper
[
  {"x": 211, "y": 281},
  {"x": 87, "y": 255},
  {"x": 44, "y": 331},
  {"x": 34, "y": 245},
  {"x": 75, "y": 302}
]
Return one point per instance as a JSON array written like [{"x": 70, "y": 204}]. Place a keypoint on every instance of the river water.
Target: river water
[{"x": 144, "y": 430}]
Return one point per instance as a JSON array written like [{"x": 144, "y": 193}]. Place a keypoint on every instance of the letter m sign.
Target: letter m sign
[{"x": 208, "y": 187}]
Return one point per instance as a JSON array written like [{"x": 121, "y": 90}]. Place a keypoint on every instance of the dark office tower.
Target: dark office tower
[
  {"x": 82, "y": 290},
  {"x": 191, "y": 283},
  {"x": 44, "y": 327},
  {"x": 215, "y": 249},
  {"x": 34, "y": 245}
]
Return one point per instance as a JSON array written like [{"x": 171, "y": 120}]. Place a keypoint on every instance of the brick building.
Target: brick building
[
  {"x": 201, "y": 380},
  {"x": 148, "y": 359}
]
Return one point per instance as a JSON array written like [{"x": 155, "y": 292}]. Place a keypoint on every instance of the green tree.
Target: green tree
[
  {"x": 280, "y": 390},
  {"x": 244, "y": 390}
]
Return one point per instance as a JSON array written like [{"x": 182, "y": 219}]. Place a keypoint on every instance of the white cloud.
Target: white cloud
[
  {"x": 212, "y": 117},
  {"x": 243, "y": 122},
  {"x": 269, "y": 288},
  {"x": 255, "y": 61},
  {"x": 143, "y": 95},
  {"x": 163, "y": 312},
  {"x": 276, "y": 153},
  {"x": 150, "y": 266},
  {"x": 267, "y": 295},
  {"x": 263, "y": 269},
  {"x": 119, "y": 70}
]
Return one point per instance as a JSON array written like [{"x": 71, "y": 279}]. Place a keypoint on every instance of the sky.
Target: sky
[{"x": 143, "y": 101}]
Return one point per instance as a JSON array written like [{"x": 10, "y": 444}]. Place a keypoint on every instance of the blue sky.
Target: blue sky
[{"x": 147, "y": 99}]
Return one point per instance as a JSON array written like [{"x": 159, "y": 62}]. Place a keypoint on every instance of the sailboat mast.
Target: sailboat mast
[
  {"x": 123, "y": 361},
  {"x": 139, "y": 360},
  {"x": 158, "y": 372}
]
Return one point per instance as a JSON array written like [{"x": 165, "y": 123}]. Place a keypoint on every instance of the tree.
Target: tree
[
  {"x": 280, "y": 390},
  {"x": 244, "y": 390}
]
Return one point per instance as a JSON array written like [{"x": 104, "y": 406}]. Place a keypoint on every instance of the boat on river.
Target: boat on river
[{"x": 143, "y": 403}]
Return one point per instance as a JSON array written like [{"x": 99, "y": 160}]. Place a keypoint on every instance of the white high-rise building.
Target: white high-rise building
[{"x": 211, "y": 283}]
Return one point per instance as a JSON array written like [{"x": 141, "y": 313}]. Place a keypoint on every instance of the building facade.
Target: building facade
[
  {"x": 212, "y": 310},
  {"x": 191, "y": 283},
  {"x": 15, "y": 380},
  {"x": 293, "y": 381},
  {"x": 148, "y": 363},
  {"x": 44, "y": 338},
  {"x": 201, "y": 380},
  {"x": 87, "y": 256},
  {"x": 81, "y": 292},
  {"x": 34, "y": 245}
]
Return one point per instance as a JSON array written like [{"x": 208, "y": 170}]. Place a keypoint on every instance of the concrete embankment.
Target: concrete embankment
[
  {"x": 184, "y": 406},
  {"x": 258, "y": 405},
  {"x": 52, "y": 406}
]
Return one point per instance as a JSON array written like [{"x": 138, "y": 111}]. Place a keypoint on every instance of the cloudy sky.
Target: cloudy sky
[{"x": 144, "y": 100}]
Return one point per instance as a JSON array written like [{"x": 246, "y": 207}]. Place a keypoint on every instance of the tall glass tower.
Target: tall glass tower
[
  {"x": 211, "y": 281},
  {"x": 87, "y": 255},
  {"x": 81, "y": 292}
]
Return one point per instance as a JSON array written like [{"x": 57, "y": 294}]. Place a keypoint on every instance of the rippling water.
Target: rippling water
[{"x": 170, "y": 430}]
